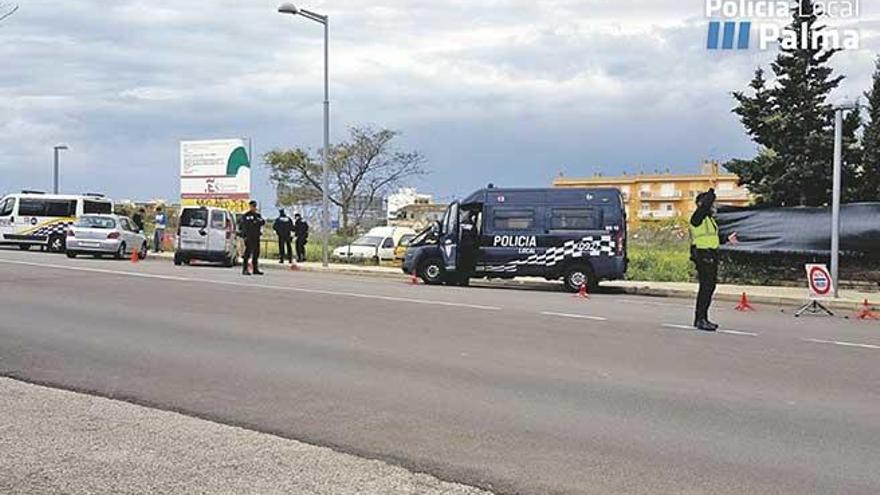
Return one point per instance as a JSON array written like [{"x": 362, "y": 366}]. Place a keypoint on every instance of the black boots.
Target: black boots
[{"x": 705, "y": 325}]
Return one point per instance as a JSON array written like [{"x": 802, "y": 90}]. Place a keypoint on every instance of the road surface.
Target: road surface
[{"x": 515, "y": 391}]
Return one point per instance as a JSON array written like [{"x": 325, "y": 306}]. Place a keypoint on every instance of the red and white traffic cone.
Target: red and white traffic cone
[
  {"x": 867, "y": 312},
  {"x": 582, "y": 292},
  {"x": 744, "y": 304}
]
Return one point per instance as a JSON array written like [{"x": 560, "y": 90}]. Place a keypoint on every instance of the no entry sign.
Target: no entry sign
[{"x": 820, "y": 281}]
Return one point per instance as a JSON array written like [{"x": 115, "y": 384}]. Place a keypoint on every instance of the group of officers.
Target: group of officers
[{"x": 250, "y": 228}]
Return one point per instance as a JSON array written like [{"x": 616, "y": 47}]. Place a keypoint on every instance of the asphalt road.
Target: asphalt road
[{"x": 515, "y": 391}]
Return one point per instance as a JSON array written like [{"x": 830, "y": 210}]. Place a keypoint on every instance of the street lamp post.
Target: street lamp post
[
  {"x": 835, "y": 200},
  {"x": 288, "y": 8},
  {"x": 60, "y": 147}
]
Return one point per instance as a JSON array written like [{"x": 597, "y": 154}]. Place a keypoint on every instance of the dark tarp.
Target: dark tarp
[{"x": 802, "y": 230}]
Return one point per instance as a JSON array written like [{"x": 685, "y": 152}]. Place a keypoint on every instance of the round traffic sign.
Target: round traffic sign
[{"x": 820, "y": 280}]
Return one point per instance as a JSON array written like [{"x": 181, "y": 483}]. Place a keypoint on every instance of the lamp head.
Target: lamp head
[
  {"x": 62, "y": 147},
  {"x": 288, "y": 8}
]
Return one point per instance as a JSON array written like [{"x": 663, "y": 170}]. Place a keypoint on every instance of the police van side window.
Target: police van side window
[
  {"x": 575, "y": 219},
  {"x": 6, "y": 207},
  {"x": 32, "y": 207},
  {"x": 96, "y": 208},
  {"x": 61, "y": 208},
  {"x": 514, "y": 219}
]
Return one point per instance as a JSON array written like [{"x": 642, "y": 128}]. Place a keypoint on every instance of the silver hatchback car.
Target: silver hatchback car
[{"x": 105, "y": 234}]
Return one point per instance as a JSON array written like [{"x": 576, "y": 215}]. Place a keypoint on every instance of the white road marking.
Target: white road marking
[
  {"x": 259, "y": 286},
  {"x": 680, "y": 327},
  {"x": 737, "y": 332},
  {"x": 728, "y": 332},
  {"x": 569, "y": 315},
  {"x": 844, "y": 344}
]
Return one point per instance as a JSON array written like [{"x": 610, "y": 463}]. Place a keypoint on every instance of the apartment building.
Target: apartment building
[{"x": 658, "y": 197}]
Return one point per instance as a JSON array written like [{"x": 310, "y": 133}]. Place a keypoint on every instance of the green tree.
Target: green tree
[
  {"x": 868, "y": 188},
  {"x": 362, "y": 170},
  {"x": 791, "y": 121}
]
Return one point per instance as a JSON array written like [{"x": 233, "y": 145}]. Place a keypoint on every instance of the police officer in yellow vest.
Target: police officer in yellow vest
[{"x": 705, "y": 242}]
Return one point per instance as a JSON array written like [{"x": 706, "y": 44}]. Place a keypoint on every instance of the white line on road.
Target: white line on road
[
  {"x": 728, "y": 332},
  {"x": 680, "y": 327},
  {"x": 569, "y": 315},
  {"x": 737, "y": 332},
  {"x": 844, "y": 344},
  {"x": 258, "y": 286}
]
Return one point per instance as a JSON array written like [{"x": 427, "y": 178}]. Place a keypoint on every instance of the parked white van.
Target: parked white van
[
  {"x": 33, "y": 218},
  {"x": 206, "y": 234},
  {"x": 378, "y": 245}
]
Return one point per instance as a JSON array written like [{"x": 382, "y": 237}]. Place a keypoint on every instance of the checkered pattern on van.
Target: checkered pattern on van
[{"x": 590, "y": 246}]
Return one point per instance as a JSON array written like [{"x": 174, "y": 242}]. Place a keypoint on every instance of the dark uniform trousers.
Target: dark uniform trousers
[
  {"x": 707, "y": 273},
  {"x": 300, "y": 248},
  {"x": 252, "y": 253},
  {"x": 285, "y": 249}
]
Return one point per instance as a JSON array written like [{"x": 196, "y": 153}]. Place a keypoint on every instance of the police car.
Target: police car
[
  {"x": 33, "y": 218},
  {"x": 576, "y": 235}
]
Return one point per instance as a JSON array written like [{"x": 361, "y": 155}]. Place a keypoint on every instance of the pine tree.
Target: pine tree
[
  {"x": 869, "y": 176},
  {"x": 792, "y": 122}
]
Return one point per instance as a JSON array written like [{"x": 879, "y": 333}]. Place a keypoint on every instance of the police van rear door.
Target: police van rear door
[{"x": 449, "y": 239}]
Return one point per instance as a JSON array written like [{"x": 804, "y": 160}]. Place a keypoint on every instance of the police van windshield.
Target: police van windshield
[
  {"x": 368, "y": 241},
  {"x": 194, "y": 217},
  {"x": 88, "y": 222}
]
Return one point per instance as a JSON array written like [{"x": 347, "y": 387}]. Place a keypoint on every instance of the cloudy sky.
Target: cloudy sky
[{"x": 506, "y": 91}]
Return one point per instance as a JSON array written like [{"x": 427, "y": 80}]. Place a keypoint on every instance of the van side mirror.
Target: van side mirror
[{"x": 435, "y": 227}]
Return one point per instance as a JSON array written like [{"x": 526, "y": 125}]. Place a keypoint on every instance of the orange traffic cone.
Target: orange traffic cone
[
  {"x": 582, "y": 293},
  {"x": 744, "y": 304},
  {"x": 135, "y": 256},
  {"x": 867, "y": 313},
  {"x": 414, "y": 279}
]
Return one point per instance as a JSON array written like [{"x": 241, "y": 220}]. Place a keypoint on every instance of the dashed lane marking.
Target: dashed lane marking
[
  {"x": 569, "y": 315},
  {"x": 844, "y": 344},
  {"x": 257, "y": 286}
]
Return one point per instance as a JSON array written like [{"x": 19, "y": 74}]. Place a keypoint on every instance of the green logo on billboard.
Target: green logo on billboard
[{"x": 237, "y": 160}]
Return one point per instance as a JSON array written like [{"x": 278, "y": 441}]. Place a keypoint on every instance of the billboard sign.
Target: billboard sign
[{"x": 215, "y": 173}]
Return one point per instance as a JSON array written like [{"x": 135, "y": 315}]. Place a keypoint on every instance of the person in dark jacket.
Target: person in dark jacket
[
  {"x": 251, "y": 229},
  {"x": 705, "y": 242},
  {"x": 301, "y": 230},
  {"x": 138, "y": 219},
  {"x": 283, "y": 227}
]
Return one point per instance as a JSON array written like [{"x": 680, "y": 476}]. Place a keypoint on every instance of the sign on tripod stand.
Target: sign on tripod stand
[{"x": 821, "y": 286}]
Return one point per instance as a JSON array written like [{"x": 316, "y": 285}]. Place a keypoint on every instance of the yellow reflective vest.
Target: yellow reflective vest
[{"x": 705, "y": 236}]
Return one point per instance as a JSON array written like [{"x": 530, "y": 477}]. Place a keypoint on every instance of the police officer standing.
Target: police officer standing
[
  {"x": 301, "y": 229},
  {"x": 251, "y": 229},
  {"x": 705, "y": 242},
  {"x": 283, "y": 228}
]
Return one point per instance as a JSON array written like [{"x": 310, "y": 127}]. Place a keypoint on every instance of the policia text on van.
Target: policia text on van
[{"x": 577, "y": 235}]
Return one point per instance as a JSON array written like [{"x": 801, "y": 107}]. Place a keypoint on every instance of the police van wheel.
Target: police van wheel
[
  {"x": 56, "y": 244},
  {"x": 577, "y": 276},
  {"x": 432, "y": 271}
]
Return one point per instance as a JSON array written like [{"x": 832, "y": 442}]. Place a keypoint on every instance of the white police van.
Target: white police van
[
  {"x": 33, "y": 218},
  {"x": 577, "y": 235}
]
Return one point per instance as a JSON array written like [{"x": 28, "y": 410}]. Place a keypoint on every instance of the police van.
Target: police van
[
  {"x": 576, "y": 235},
  {"x": 33, "y": 218}
]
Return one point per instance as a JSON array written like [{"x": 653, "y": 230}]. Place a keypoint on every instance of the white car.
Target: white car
[
  {"x": 105, "y": 234},
  {"x": 377, "y": 245}
]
